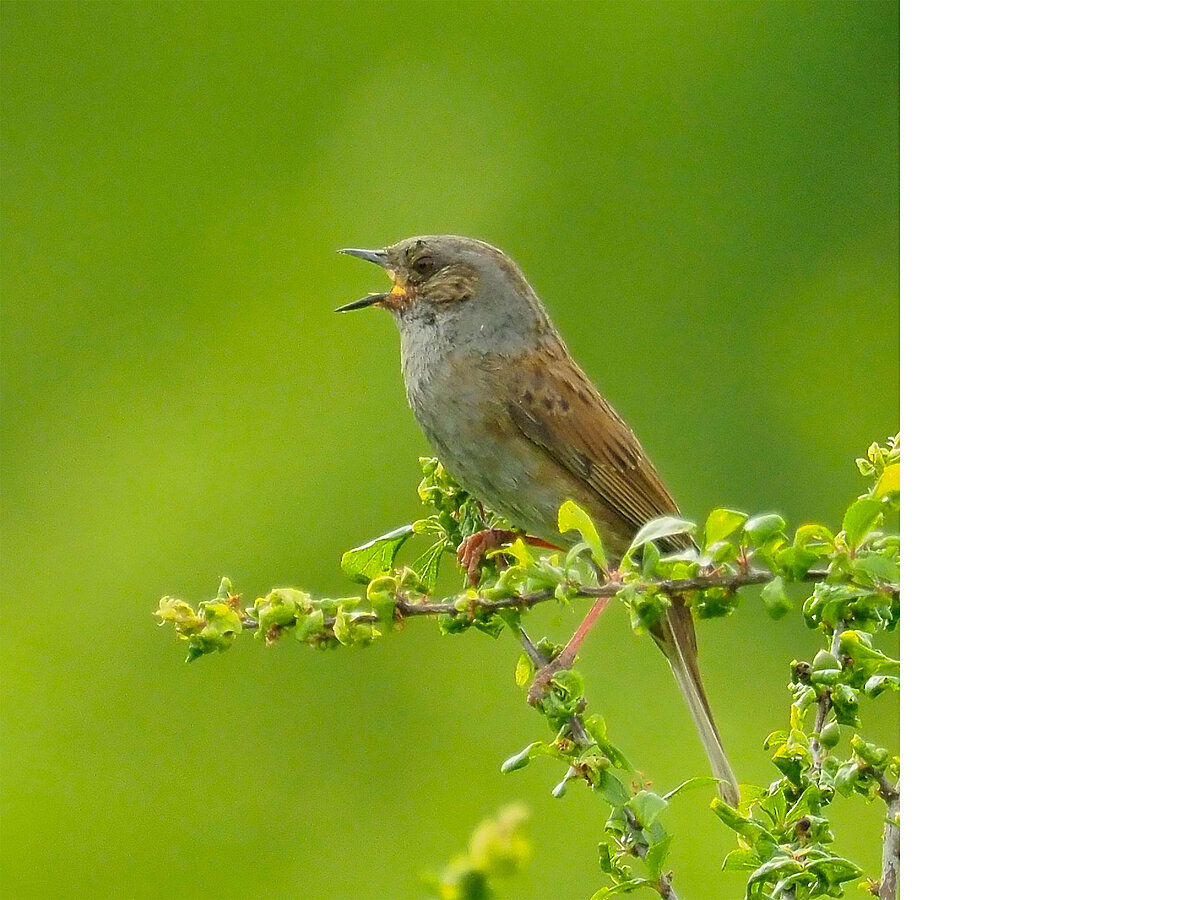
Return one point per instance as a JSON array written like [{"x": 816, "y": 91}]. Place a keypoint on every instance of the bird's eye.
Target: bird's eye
[{"x": 424, "y": 266}]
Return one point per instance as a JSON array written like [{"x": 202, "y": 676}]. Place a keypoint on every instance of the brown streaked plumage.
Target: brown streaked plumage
[
  {"x": 554, "y": 405},
  {"x": 519, "y": 424}
]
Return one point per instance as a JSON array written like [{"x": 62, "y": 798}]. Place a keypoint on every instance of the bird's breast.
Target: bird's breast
[{"x": 459, "y": 400}]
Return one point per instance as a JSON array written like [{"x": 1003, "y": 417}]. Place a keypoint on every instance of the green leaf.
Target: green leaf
[
  {"x": 857, "y": 645},
  {"x": 764, "y": 843},
  {"x": 456, "y": 624},
  {"x": 656, "y": 853},
  {"x": 693, "y": 782},
  {"x": 492, "y": 626},
  {"x": 872, "y": 754},
  {"x": 309, "y": 626},
  {"x": 877, "y": 684},
  {"x": 563, "y": 697},
  {"x": 715, "y": 602},
  {"x": 845, "y": 703},
  {"x": 877, "y": 567},
  {"x": 646, "y": 807},
  {"x": 520, "y": 552},
  {"x": 722, "y": 552},
  {"x": 774, "y": 804},
  {"x": 889, "y": 481},
  {"x": 222, "y": 624},
  {"x": 350, "y": 632},
  {"x": 570, "y": 682},
  {"x": 777, "y": 866},
  {"x": 375, "y": 557},
  {"x": 859, "y": 518},
  {"x": 843, "y": 781},
  {"x": 429, "y": 563},
  {"x": 740, "y": 858},
  {"x": 521, "y": 759},
  {"x": 834, "y": 870},
  {"x": 572, "y": 517},
  {"x": 276, "y": 611},
  {"x": 721, "y": 523},
  {"x": 792, "y": 562},
  {"x": 661, "y": 527},
  {"x": 646, "y": 606},
  {"x": 428, "y": 527},
  {"x": 608, "y": 786},
  {"x": 825, "y": 668},
  {"x": 606, "y": 860},
  {"x": 813, "y": 534},
  {"x": 763, "y": 527},
  {"x": 598, "y": 729},
  {"x": 622, "y": 887},
  {"x": 524, "y": 670},
  {"x": 381, "y": 594},
  {"x": 180, "y": 614},
  {"x": 650, "y": 557},
  {"x": 775, "y": 598}
]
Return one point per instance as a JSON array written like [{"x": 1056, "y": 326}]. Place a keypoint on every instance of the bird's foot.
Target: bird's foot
[
  {"x": 541, "y": 681},
  {"x": 474, "y": 550}
]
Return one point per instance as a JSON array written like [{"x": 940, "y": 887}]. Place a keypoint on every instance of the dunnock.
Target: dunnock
[{"x": 517, "y": 422}]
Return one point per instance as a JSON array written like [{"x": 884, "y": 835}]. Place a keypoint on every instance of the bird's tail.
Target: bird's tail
[{"x": 675, "y": 635}]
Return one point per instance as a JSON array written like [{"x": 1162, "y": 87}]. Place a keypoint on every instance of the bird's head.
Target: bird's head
[
  {"x": 439, "y": 269},
  {"x": 464, "y": 290}
]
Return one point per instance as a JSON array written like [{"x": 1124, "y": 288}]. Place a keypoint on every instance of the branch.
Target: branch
[
  {"x": 889, "y": 879},
  {"x": 664, "y": 887},
  {"x": 824, "y": 702},
  {"x": 888, "y": 886},
  {"x": 860, "y": 590},
  {"x": 638, "y": 846},
  {"x": 422, "y": 607},
  {"x": 578, "y": 732}
]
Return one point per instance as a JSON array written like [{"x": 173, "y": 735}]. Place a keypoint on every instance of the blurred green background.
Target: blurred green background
[{"x": 706, "y": 198}]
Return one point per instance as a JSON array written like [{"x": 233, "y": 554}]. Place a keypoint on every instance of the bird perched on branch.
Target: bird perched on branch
[{"x": 521, "y": 427}]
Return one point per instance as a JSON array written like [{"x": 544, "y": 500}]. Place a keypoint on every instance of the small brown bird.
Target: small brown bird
[{"x": 517, "y": 422}]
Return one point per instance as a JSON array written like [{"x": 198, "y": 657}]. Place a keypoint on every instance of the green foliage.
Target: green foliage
[
  {"x": 499, "y": 848},
  {"x": 573, "y": 518},
  {"x": 637, "y": 841},
  {"x": 210, "y": 627},
  {"x": 783, "y": 839},
  {"x": 454, "y": 515},
  {"x": 783, "y": 832},
  {"x": 320, "y": 623},
  {"x": 376, "y": 557}
]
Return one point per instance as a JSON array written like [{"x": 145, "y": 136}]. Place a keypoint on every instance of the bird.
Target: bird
[{"x": 515, "y": 420}]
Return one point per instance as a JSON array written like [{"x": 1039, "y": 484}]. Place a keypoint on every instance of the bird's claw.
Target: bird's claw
[
  {"x": 541, "y": 681},
  {"x": 475, "y": 548}
]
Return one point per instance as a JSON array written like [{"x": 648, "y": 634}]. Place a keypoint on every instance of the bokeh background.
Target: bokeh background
[{"x": 707, "y": 199}]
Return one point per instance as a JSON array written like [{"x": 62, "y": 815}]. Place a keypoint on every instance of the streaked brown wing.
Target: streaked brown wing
[{"x": 554, "y": 404}]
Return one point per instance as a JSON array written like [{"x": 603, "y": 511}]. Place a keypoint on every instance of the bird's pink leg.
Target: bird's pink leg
[{"x": 566, "y": 658}]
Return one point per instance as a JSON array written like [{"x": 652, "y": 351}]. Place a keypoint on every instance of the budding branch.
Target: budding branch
[{"x": 420, "y": 606}]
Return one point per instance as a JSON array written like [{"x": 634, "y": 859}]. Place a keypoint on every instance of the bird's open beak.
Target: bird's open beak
[
  {"x": 369, "y": 300},
  {"x": 392, "y": 298},
  {"x": 369, "y": 255}
]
